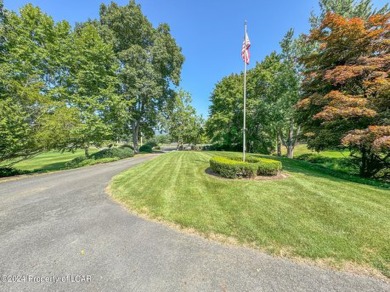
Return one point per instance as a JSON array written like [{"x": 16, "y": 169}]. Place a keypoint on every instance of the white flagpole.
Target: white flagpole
[{"x": 244, "y": 126}]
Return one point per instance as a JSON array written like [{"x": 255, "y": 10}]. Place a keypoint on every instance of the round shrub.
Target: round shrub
[
  {"x": 146, "y": 148},
  {"x": 234, "y": 167}
]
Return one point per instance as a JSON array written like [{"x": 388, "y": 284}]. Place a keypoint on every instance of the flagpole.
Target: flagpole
[{"x": 244, "y": 126}]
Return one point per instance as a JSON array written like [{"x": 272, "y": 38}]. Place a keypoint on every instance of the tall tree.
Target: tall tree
[
  {"x": 150, "y": 61},
  {"x": 286, "y": 93},
  {"x": 183, "y": 124},
  {"x": 224, "y": 125},
  {"x": 273, "y": 88},
  {"x": 266, "y": 117},
  {"x": 31, "y": 77},
  {"x": 347, "y": 88}
]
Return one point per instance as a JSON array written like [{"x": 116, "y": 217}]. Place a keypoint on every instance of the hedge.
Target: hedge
[
  {"x": 233, "y": 167},
  {"x": 102, "y": 156},
  {"x": 146, "y": 148},
  {"x": 123, "y": 152},
  {"x": 10, "y": 171}
]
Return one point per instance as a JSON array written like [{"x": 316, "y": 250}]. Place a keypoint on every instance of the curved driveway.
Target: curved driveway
[{"x": 60, "y": 232}]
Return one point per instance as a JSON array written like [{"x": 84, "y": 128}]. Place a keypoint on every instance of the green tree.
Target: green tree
[
  {"x": 288, "y": 85},
  {"x": 94, "y": 87},
  {"x": 264, "y": 109},
  {"x": 224, "y": 125},
  {"x": 273, "y": 88},
  {"x": 182, "y": 123},
  {"x": 31, "y": 78},
  {"x": 150, "y": 61}
]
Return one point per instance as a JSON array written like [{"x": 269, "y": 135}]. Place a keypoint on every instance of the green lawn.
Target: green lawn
[
  {"x": 307, "y": 215},
  {"x": 49, "y": 161},
  {"x": 338, "y": 160},
  {"x": 302, "y": 149}
]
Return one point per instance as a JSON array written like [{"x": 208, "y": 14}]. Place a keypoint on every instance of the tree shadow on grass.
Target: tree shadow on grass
[
  {"x": 51, "y": 167},
  {"x": 43, "y": 169},
  {"x": 312, "y": 169}
]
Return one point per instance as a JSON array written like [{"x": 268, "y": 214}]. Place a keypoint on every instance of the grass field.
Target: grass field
[
  {"x": 49, "y": 161},
  {"x": 302, "y": 149},
  {"x": 309, "y": 215},
  {"x": 338, "y": 160}
]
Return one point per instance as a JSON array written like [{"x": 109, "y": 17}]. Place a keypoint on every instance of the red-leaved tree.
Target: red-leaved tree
[{"x": 347, "y": 89}]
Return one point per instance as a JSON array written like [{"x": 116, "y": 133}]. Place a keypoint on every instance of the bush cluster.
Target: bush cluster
[
  {"x": 148, "y": 147},
  {"x": 83, "y": 161},
  {"x": 102, "y": 156},
  {"x": 233, "y": 167},
  {"x": 223, "y": 147},
  {"x": 268, "y": 167},
  {"x": 230, "y": 168},
  {"x": 126, "y": 146},
  {"x": 121, "y": 153},
  {"x": 10, "y": 171}
]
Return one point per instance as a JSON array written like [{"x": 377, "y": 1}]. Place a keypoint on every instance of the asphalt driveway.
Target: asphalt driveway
[{"x": 61, "y": 232}]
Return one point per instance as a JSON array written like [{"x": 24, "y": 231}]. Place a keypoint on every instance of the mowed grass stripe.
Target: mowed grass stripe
[
  {"x": 48, "y": 161},
  {"x": 308, "y": 214}
]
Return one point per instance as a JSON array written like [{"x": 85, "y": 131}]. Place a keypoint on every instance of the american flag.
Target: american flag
[{"x": 245, "y": 49}]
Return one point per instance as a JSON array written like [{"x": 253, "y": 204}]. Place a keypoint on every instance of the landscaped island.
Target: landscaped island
[
  {"x": 234, "y": 167},
  {"x": 312, "y": 213}
]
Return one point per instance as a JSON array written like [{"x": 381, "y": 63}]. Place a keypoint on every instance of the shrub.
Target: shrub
[
  {"x": 224, "y": 147},
  {"x": 102, "y": 156},
  {"x": 83, "y": 161},
  {"x": 10, "y": 171},
  {"x": 98, "y": 161},
  {"x": 233, "y": 167},
  {"x": 146, "y": 148},
  {"x": 151, "y": 143},
  {"x": 269, "y": 167},
  {"x": 196, "y": 147},
  {"x": 123, "y": 152},
  {"x": 76, "y": 162},
  {"x": 126, "y": 146},
  {"x": 265, "y": 166},
  {"x": 230, "y": 168}
]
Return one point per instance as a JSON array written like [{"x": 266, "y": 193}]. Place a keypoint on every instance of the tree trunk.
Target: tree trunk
[
  {"x": 290, "y": 151},
  {"x": 363, "y": 166},
  {"x": 279, "y": 145},
  {"x": 290, "y": 141},
  {"x": 135, "y": 128},
  {"x": 86, "y": 151}
]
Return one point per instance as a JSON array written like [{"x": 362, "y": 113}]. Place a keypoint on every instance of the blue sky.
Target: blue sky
[{"x": 210, "y": 32}]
